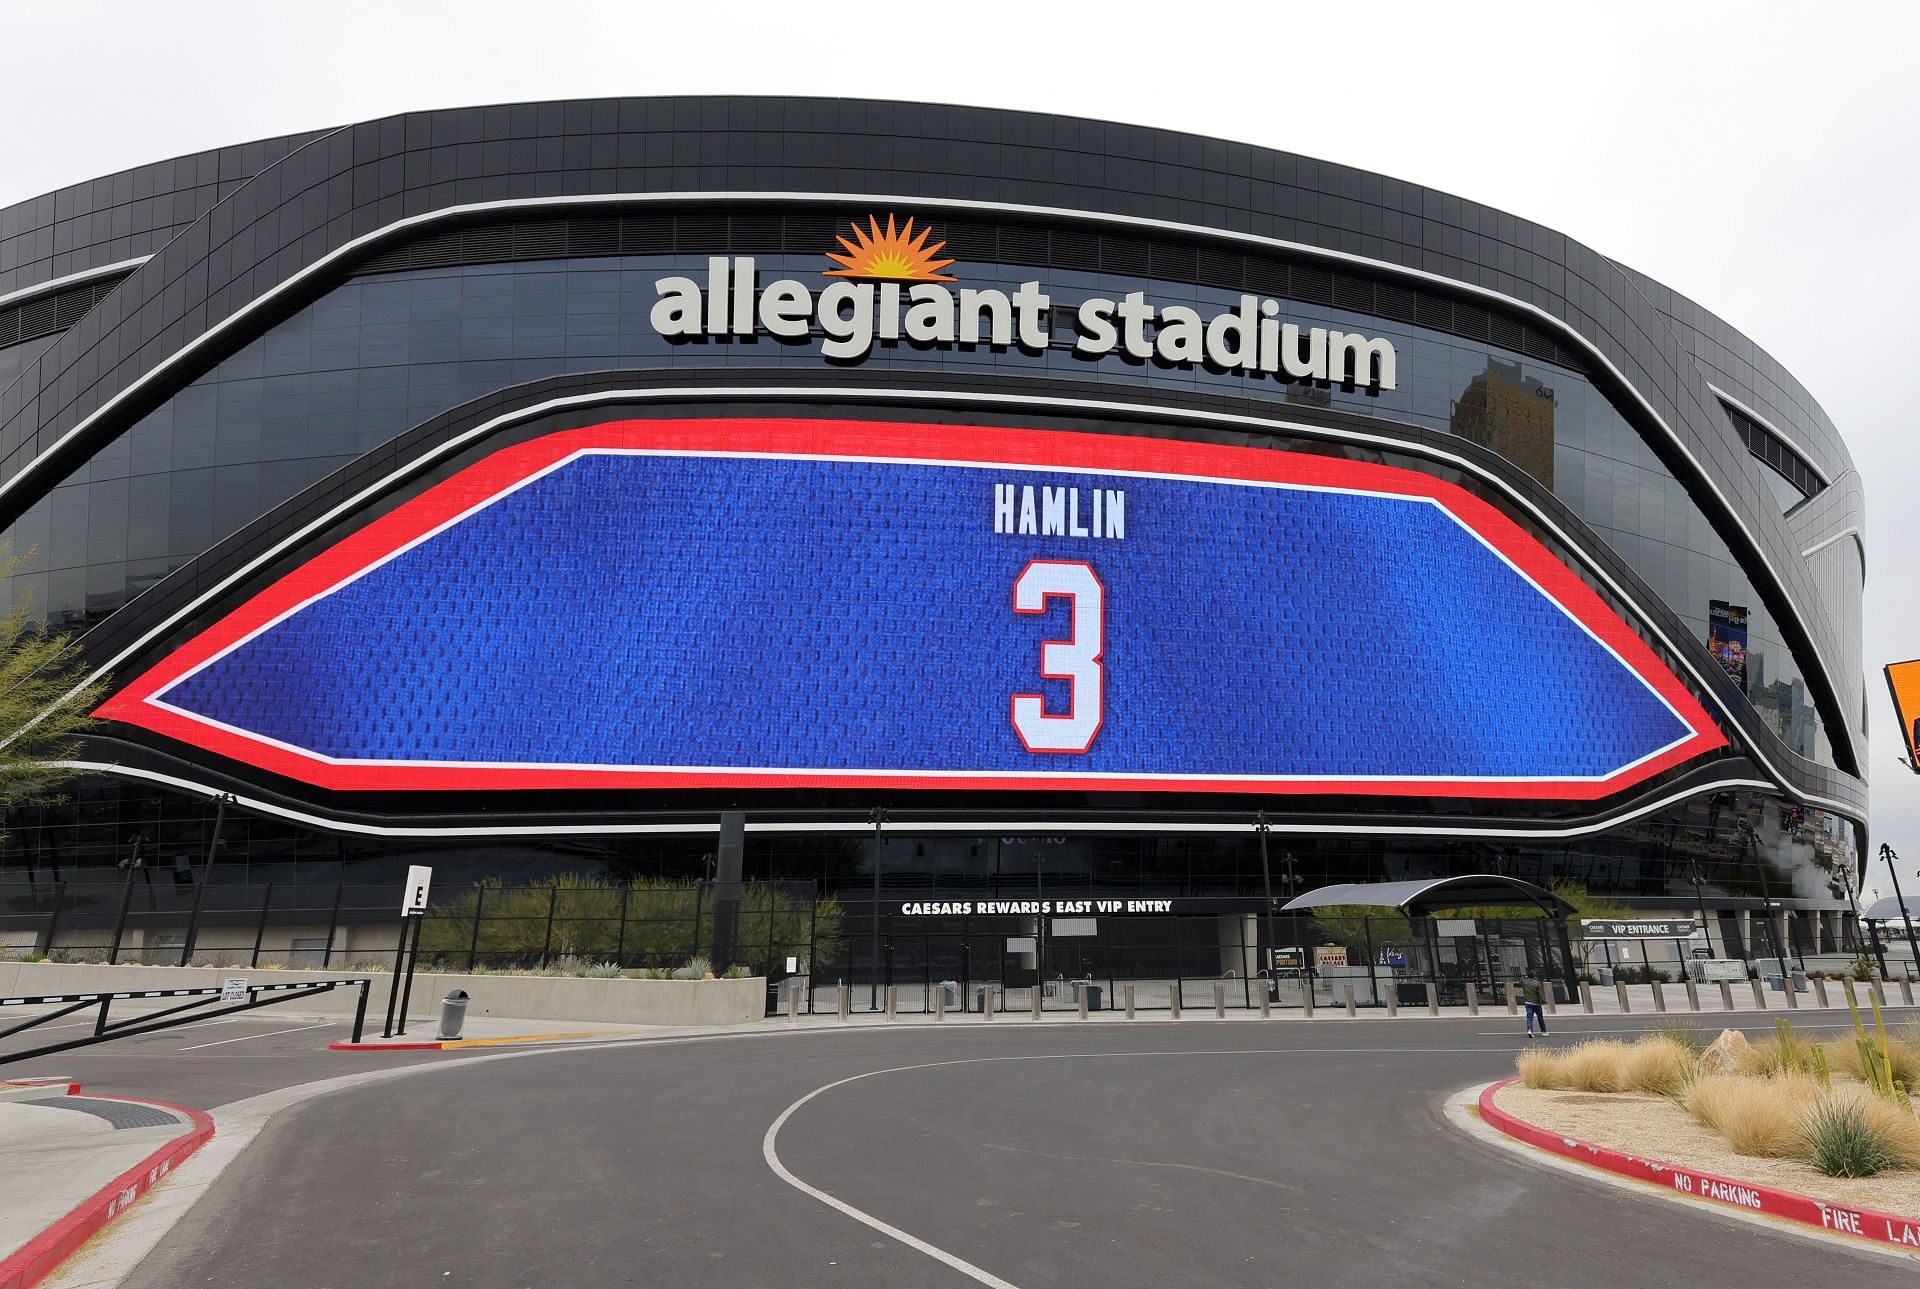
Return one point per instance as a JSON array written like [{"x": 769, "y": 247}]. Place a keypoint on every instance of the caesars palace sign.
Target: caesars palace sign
[{"x": 890, "y": 289}]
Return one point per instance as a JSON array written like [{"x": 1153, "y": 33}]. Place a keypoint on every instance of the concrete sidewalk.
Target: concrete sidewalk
[{"x": 73, "y": 1163}]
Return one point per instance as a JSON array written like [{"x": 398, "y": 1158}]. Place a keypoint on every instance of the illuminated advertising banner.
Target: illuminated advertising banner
[
  {"x": 808, "y": 603},
  {"x": 1727, "y": 638},
  {"x": 1903, "y": 681}
]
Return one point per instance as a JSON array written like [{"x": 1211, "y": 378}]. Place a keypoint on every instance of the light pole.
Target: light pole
[
  {"x": 1892, "y": 861},
  {"x": 1693, "y": 866},
  {"x": 878, "y": 817},
  {"x": 1261, "y": 827}
]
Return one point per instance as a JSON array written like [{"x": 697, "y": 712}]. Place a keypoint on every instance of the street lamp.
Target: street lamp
[
  {"x": 878, "y": 818},
  {"x": 1261, "y": 826},
  {"x": 1892, "y": 861},
  {"x": 1694, "y": 875}
]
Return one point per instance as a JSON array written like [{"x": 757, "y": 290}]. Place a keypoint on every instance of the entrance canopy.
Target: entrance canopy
[
  {"x": 1887, "y": 909},
  {"x": 1428, "y": 894}
]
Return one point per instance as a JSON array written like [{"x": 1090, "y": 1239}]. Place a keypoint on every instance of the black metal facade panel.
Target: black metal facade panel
[
  {"x": 123, "y": 216},
  {"x": 329, "y": 189}
]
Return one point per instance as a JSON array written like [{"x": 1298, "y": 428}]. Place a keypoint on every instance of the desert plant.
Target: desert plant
[
  {"x": 1758, "y": 1117},
  {"x": 600, "y": 971},
  {"x": 1787, "y": 1054},
  {"x": 1540, "y": 1069},
  {"x": 1597, "y": 1065},
  {"x": 1657, "y": 1065},
  {"x": 1842, "y": 1142}
]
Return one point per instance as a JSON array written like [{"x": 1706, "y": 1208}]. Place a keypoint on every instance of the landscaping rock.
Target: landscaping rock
[{"x": 1727, "y": 1054}]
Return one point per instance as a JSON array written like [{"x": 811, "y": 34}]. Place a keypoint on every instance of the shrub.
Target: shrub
[
  {"x": 1841, "y": 1141},
  {"x": 1757, "y": 1116},
  {"x": 1540, "y": 1069},
  {"x": 1657, "y": 1065},
  {"x": 1787, "y": 1054},
  {"x": 1595, "y": 1066},
  {"x": 600, "y": 971},
  {"x": 1848, "y": 1056}
]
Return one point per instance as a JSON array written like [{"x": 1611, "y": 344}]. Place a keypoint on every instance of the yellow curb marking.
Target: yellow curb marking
[{"x": 515, "y": 1038}]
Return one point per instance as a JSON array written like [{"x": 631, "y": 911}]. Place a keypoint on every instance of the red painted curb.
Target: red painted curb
[
  {"x": 343, "y": 1045},
  {"x": 41, "y": 1256},
  {"x": 1861, "y": 1223}
]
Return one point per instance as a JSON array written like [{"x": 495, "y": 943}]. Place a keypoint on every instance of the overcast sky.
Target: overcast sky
[{"x": 1759, "y": 157}]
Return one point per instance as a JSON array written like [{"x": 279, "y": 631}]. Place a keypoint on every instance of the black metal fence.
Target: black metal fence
[{"x": 565, "y": 925}]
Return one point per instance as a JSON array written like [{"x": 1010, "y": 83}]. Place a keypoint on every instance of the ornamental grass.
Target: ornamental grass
[{"x": 1760, "y": 1117}]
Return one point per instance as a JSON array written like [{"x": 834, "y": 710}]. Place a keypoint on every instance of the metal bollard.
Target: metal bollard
[
  {"x": 1906, "y": 992},
  {"x": 1219, "y": 1001},
  {"x": 1620, "y": 992},
  {"x": 1173, "y": 1000},
  {"x": 1433, "y": 999},
  {"x": 1306, "y": 999},
  {"x": 1874, "y": 988},
  {"x": 893, "y": 1002},
  {"x": 1659, "y": 997},
  {"x": 793, "y": 1006},
  {"x": 1350, "y": 1010},
  {"x": 1129, "y": 1002},
  {"x": 1820, "y": 992},
  {"x": 1793, "y": 995},
  {"x": 1546, "y": 1001},
  {"x": 846, "y": 1000},
  {"x": 1693, "y": 995},
  {"x": 1083, "y": 1002},
  {"x": 986, "y": 1002},
  {"x": 1266, "y": 1003},
  {"x": 1473, "y": 999},
  {"x": 1846, "y": 983},
  {"x": 453, "y": 1014},
  {"x": 1726, "y": 996},
  {"x": 940, "y": 1004},
  {"x": 1034, "y": 1005},
  {"x": 1393, "y": 999},
  {"x": 1759, "y": 995},
  {"x": 1586, "y": 998},
  {"x": 1513, "y": 999}
]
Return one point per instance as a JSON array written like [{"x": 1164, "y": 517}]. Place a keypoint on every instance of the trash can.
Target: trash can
[
  {"x": 453, "y": 1014},
  {"x": 982, "y": 997},
  {"x": 1096, "y": 996},
  {"x": 1559, "y": 988},
  {"x": 951, "y": 988}
]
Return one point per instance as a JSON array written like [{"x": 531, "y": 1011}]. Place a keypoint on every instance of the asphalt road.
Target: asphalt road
[{"x": 1189, "y": 1154}]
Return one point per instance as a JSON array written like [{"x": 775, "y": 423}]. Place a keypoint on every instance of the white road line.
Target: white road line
[
  {"x": 769, "y": 1151},
  {"x": 248, "y": 1038}
]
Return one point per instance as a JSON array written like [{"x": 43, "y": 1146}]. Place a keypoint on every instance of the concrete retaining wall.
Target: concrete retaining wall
[{"x": 623, "y": 1002}]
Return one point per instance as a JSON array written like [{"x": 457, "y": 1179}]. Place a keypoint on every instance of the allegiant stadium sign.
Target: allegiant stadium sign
[{"x": 890, "y": 289}]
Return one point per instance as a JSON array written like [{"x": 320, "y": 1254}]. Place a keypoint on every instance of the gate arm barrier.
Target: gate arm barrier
[{"x": 105, "y": 1031}]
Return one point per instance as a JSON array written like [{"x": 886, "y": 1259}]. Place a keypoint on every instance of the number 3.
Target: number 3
[{"x": 1075, "y": 659}]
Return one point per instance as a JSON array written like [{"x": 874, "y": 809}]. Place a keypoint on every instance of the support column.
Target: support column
[{"x": 729, "y": 862}]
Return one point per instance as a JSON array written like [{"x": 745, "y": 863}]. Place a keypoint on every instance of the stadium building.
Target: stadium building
[{"x": 986, "y": 514}]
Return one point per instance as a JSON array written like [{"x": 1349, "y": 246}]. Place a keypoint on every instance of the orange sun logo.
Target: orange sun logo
[{"x": 897, "y": 255}]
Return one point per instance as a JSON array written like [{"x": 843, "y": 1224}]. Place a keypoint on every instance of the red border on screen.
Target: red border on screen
[{"x": 884, "y": 440}]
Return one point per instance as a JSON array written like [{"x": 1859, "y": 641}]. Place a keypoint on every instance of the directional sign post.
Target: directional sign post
[{"x": 413, "y": 911}]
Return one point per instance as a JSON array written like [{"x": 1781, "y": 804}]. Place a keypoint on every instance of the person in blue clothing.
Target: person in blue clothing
[{"x": 1532, "y": 998}]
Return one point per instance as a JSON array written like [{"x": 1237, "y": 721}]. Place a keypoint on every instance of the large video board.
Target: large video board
[{"x": 809, "y": 603}]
